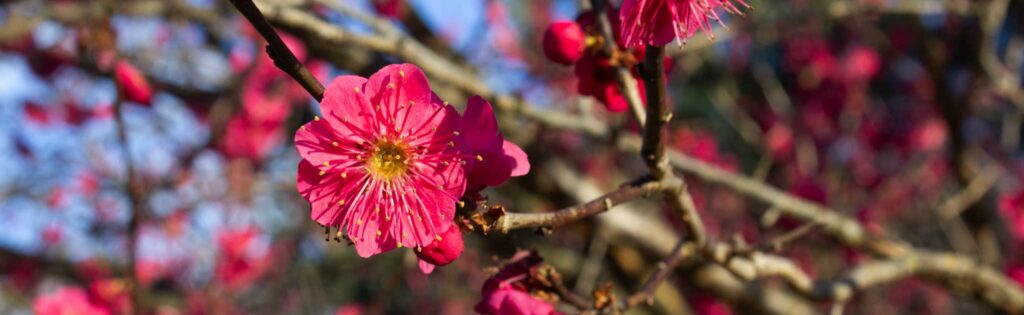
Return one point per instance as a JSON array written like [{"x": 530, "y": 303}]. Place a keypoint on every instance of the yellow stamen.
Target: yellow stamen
[{"x": 390, "y": 159}]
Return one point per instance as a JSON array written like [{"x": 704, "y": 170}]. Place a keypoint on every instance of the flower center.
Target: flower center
[{"x": 390, "y": 159}]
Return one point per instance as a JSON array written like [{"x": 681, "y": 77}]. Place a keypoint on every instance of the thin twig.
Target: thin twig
[
  {"x": 776, "y": 243},
  {"x": 681, "y": 250},
  {"x": 591, "y": 267},
  {"x": 627, "y": 192},
  {"x": 135, "y": 198},
  {"x": 283, "y": 57},
  {"x": 975, "y": 190},
  {"x": 568, "y": 295}
]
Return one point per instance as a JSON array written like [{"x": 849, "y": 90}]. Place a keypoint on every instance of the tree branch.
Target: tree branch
[
  {"x": 681, "y": 250},
  {"x": 652, "y": 149},
  {"x": 283, "y": 57},
  {"x": 625, "y": 193},
  {"x": 136, "y": 199}
]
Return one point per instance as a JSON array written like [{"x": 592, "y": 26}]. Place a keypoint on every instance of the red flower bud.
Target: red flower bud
[
  {"x": 445, "y": 249},
  {"x": 564, "y": 42},
  {"x": 132, "y": 83}
]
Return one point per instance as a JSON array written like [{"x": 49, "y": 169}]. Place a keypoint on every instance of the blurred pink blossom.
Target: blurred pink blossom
[
  {"x": 67, "y": 300},
  {"x": 132, "y": 84}
]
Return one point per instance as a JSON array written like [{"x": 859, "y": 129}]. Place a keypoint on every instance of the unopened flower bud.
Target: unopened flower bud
[{"x": 564, "y": 42}]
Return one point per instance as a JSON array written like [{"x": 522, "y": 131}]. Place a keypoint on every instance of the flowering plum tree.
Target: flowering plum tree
[{"x": 511, "y": 157}]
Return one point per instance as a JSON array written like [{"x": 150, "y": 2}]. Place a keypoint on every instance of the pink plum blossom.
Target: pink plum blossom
[
  {"x": 508, "y": 291},
  {"x": 506, "y": 300},
  {"x": 384, "y": 163},
  {"x": 67, "y": 300},
  {"x": 658, "y": 22},
  {"x": 494, "y": 158}
]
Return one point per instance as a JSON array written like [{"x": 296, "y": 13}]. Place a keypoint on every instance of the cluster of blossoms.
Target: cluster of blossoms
[
  {"x": 267, "y": 98},
  {"x": 639, "y": 23},
  {"x": 389, "y": 161},
  {"x": 579, "y": 43}
]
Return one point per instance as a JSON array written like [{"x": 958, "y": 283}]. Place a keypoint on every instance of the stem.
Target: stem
[
  {"x": 283, "y": 57},
  {"x": 135, "y": 197}
]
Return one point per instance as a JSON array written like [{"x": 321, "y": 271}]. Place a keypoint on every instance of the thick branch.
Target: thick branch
[
  {"x": 947, "y": 268},
  {"x": 653, "y": 148}
]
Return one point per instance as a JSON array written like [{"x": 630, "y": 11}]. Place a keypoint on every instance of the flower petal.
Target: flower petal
[
  {"x": 518, "y": 159},
  {"x": 392, "y": 89},
  {"x": 425, "y": 267},
  {"x": 492, "y": 170},
  {"x": 479, "y": 125},
  {"x": 346, "y": 104},
  {"x": 314, "y": 143}
]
